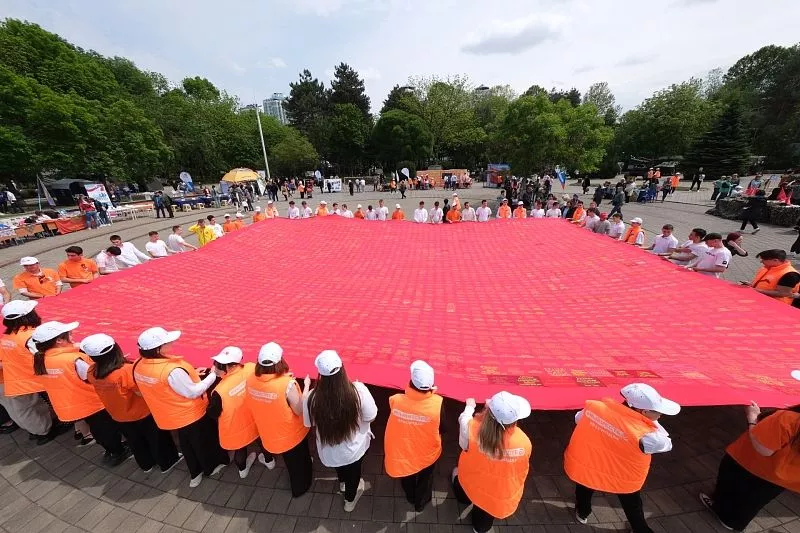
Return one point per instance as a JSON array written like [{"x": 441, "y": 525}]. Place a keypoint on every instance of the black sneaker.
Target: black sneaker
[
  {"x": 116, "y": 459},
  {"x": 77, "y": 435},
  {"x": 8, "y": 428},
  {"x": 86, "y": 441}
]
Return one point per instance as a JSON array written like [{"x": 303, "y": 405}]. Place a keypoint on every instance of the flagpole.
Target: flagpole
[
  {"x": 39, "y": 185},
  {"x": 261, "y": 134}
]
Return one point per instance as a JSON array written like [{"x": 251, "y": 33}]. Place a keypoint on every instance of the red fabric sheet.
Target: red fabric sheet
[
  {"x": 536, "y": 307},
  {"x": 70, "y": 225}
]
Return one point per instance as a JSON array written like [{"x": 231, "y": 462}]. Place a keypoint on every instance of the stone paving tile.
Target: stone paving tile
[
  {"x": 198, "y": 518},
  {"x": 220, "y": 518}
]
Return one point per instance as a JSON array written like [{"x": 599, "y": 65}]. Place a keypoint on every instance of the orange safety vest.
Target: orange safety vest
[
  {"x": 358, "y": 214},
  {"x": 119, "y": 394},
  {"x": 237, "y": 428},
  {"x": 228, "y": 227},
  {"x": 322, "y": 211},
  {"x": 454, "y": 215},
  {"x": 768, "y": 278},
  {"x": 239, "y": 224},
  {"x": 398, "y": 215},
  {"x": 279, "y": 427},
  {"x": 258, "y": 217},
  {"x": 578, "y": 214},
  {"x": 603, "y": 453},
  {"x": 503, "y": 212},
  {"x": 632, "y": 233},
  {"x": 170, "y": 410},
  {"x": 495, "y": 485},
  {"x": 71, "y": 397},
  {"x": 272, "y": 213},
  {"x": 520, "y": 212},
  {"x": 412, "y": 440},
  {"x": 18, "y": 364}
]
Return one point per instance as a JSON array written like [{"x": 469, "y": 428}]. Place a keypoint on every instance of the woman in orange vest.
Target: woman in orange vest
[
  {"x": 359, "y": 212},
  {"x": 322, "y": 209},
  {"x": 258, "y": 216},
  {"x": 579, "y": 215},
  {"x": 276, "y": 401},
  {"x": 494, "y": 460},
  {"x": 762, "y": 463},
  {"x": 635, "y": 234},
  {"x": 111, "y": 375},
  {"x": 504, "y": 211},
  {"x": 272, "y": 211},
  {"x": 611, "y": 447},
  {"x": 176, "y": 396},
  {"x": 237, "y": 429},
  {"x": 520, "y": 211},
  {"x": 398, "y": 214},
  {"x": 413, "y": 441},
  {"x": 63, "y": 370},
  {"x": 777, "y": 277}
]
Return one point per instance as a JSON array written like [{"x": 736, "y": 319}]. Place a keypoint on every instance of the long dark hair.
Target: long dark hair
[
  {"x": 41, "y": 347},
  {"x": 280, "y": 368},
  {"x": 334, "y": 406},
  {"x": 108, "y": 362},
  {"x": 13, "y": 325},
  {"x": 491, "y": 434}
]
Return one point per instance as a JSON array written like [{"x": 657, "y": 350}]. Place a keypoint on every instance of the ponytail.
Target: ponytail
[
  {"x": 38, "y": 364},
  {"x": 491, "y": 435},
  {"x": 39, "y": 367}
]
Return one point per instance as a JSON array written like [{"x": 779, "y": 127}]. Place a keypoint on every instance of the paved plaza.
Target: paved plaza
[{"x": 59, "y": 487}]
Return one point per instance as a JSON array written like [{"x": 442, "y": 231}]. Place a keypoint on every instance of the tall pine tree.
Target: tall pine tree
[
  {"x": 307, "y": 107},
  {"x": 348, "y": 88},
  {"x": 723, "y": 150}
]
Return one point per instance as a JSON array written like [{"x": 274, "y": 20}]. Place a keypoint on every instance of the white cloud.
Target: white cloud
[
  {"x": 238, "y": 69},
  {"x": 634, "y": 60},
  {"x": 514, "y": 37},
  {"x": 273, "y": 62}
]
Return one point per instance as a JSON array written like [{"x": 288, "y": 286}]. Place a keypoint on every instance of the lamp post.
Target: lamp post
[{"x": 263, "y": 146}]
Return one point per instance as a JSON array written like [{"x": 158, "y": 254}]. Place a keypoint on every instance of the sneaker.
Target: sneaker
[
  {"x": 341, "y": 487},
  {"x": 755, "y": 231},
  {"x": 86, "y": 441},
  {"x": 173, "y": 465},
  {"x": 708, "y": 503},
  {"x": 195, "y": 481},
  {"x": 11, "y": 427},
  {"x": 453, "y": 475},
  {"x": 148, "y": 470},
  {"x": 250, "y": 460},
  {"x": 349, "y": 507},
  {"x": 116, "y": 459},
  {"x": 263, "y": 460},
  {"x": 581, "y": 520},
  {"x": 77, "y": 435},
  {"x": 218, "y": 469}
]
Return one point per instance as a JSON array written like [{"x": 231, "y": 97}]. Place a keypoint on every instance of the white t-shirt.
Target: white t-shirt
[
  {"x": 347, "y": 214},
  {"x": 371, "y": 215},
  {"x": 174, "y": 241},
  {"x": 157, "y": 249},
  {"x": 538, "y": 213},
  {"x": 592, "y": 222},
  {"x": 697, "y": 250},
  {"x": 437, "y": 215},
  {"x": 468, "y": 215},
  {"x": 356, "y": 446},
  {"x": 714, "y": 257},
  {"x": 420, "y": 215},
  {"x": 293, "y": 212},
  {"x": 109, "y": 263},
  {"x": 617, "y": 230},
  {"x": 306, "y": 213},
  {"x": 553, "y": 213},
  {"x": 217, "y": 229},
  {"x": 383, "y": 212},
  {"x": 483, "y": 213},
  {"x": 131, "y": 254},
  {"x": 662, "y": 245}
]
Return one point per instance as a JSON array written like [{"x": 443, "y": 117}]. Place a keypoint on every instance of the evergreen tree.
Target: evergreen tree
[
  {"x": 307, "y": 107},
  {"x": 348, "y": 88},
  {"x": 402, "y": 98},
  {"x": 725, "y": 149}
]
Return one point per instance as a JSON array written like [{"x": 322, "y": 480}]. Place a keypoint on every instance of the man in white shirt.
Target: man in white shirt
[
  {"x": 130, "y": 253},
  {"x": 215, "y": 226},
  {"x": 383, "y": 211},
  {"x": 468, "y": 213},
  {"x": 664, "y": 242},
  {"x": 156, "y": 247},
  {"x": 176, "y": 242},
  {"x": 617, "y": 229},
  {"x": 537, "y": 211},
  {"x": 690, "y": 250},
  {"x": 336, "y": 210},
  {"x": 421, "y": 214},
  {"x": 592, "y": 218},
  {"x": 484, "y": 212},
  {"x": 436, "y": 214},
  {"x": 554, "y": 211},
  {"x": 110, "y": 260},
  {"x": 294, "y": 211},
  {"x": 305, "y": 211},
  {"x": 346, "y": 213},
  {"x": 371, "y": 214},
  {"x": 716, "y": 260}
]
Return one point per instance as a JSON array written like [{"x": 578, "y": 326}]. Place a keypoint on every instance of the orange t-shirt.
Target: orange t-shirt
[
  {"x": 44, "y": 284},
  {"x": 398, "y": 215},
  {"x": 322, "y": 211},
  {"x": 83, "y": 269},
  {"x": 774, "y": 432},
  {"x": 358, "y": 214},
  {"x": 503, "y": 212},
  {"x": 239, "y": 224},
  {"x": 520, "y": 212},
  {"x": 228, "y": 227},
  {"x": 454, "y": 215},
  {"x": 258, "y": 217}
]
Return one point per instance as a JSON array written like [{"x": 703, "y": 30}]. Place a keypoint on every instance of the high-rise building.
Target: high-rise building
[{"x": 274, "y": 107}]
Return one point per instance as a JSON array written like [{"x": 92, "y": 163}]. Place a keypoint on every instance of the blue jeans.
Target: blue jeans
[{"x": 91, "y": 215}]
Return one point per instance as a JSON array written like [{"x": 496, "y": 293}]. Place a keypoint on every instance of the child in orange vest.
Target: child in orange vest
[
  {"x": 611, "y": 447},
  {"x": 491, "y": 471},
  {"x": 413, "y": 441}
]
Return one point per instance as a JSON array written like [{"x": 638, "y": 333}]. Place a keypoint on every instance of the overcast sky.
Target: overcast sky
[{"x": 253, "y": 48}]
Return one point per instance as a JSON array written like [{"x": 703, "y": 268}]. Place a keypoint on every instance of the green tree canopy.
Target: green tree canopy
[{"x": 400, "y": 136}]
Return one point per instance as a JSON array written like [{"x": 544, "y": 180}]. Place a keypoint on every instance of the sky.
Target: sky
[{"x": 253, "y": 48}]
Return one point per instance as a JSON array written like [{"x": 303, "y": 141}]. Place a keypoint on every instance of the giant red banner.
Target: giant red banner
[{"x": 536, "y": 307}]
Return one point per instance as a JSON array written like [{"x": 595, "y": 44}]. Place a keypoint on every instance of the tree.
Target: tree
[
  {"x": 293, "y": 155},
  {"x": 200, "y": 88},
  {"x": 402, "y": 98},
  {"x": 573, "y": 96},
  {"x": 600, "y": 95},
  {"x": 399, "y": 136},
  {"x": 348, "y": 88},
  {"x": 306, "y": 108},
  {"x": 348, "y": 135},
  {"x": 535, "y": 90},
  {"x": 723, "y": 150}
]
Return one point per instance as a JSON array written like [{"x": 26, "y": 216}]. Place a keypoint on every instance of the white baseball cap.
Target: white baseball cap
[
  {"x": 796, "y": 374},
  {"x": 520, "y": 203},
  {"x": 229, "y": 354},
  {"x": 643, "y": 396},
  {"x": 505, "y": 200},
  {"x": 226, "y": 215},
  {"x": 27, "y": 261},
  {"x": 97, "y": 344},
  {"x": 328, "y": 363},
  {"x": 270, "y": 202},
  {"x": 155, "y": 337},
  {"x": 51, "y": 330},
  {"x": 422, "y": 375},
  {"x": 455, "y": 194},
  {"x": 636, "y": 220},
  {"x": 18, "y": 308},
  {"x": 397, "y": 206},
  {"x": 258, "y": 207},
  {"x": 239, "y": 215},
  {"x": 507, "y": 408},
  {"x": 270, "y": 354},
  {"x": 323, "y": 202},
  {"x": 358, "y": 206}
]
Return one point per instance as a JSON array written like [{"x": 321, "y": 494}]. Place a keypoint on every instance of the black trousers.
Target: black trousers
[
  {"x": 106, "y": 431},
  {"x": 796, "y": 246},
  {"x": 615, "y": 209},
  {"x": 350, "y": 475},
  {"x": 749, "y": 220},
  {"x": 419, "y": 487},
  {"x": 695, "y": 181},
  {"x": 161, "y": 211},
  {"x": 739, "y": 495},
  {"x": 299, "y": 465},
  {"x": 631, "y": 505},
  {"x": 200, "y": 446},
  {"x": 481, "y": 520},
  {"x": 150, "y": 445},
  {"x": 715, "y": 194}
]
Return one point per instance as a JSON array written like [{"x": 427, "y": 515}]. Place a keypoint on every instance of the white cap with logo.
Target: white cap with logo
[
  {"x": 636, "y": 220},
  {"x": 422, "y": 375},
  {"x": 507, "y": 408},
  {"x": 258, "y": 208},
  {"x": 643, "y": 396},
  {"x": 796, "y": 374},
  {"x": 397, "y": 206},
  {"x": 228, "y": 355},
  {"x": 27, "y": 261},
  {"x": 18, "y": 308},
  {"x": 51, "y": 330},
  {"x": 328, "y": 363},
  {"x": 155, "y": 337},
  {"x": 239, "y": 215},
  {"x": 97, "y": 344},
  {"x": 270, "y": 354}
]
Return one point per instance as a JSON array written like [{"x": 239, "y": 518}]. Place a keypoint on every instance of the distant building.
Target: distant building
[
  {"x": 248, "y": 107},
  {"x": 274, "y": 107}
]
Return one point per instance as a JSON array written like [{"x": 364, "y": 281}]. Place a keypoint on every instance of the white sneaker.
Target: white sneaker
[
  {"x": 250, "y": 460},
  {"x": 263, "y": 460},
  {"x": 342, "y": 487},
  {"x": 195, "y": 481},
  {"x": 349, "y": 507},
  {"x": 453, "y": 475},
  {"x": 218, "y": 469},
  {"x": 148, "y": 470},
  {"x": 581, "y": 520}
]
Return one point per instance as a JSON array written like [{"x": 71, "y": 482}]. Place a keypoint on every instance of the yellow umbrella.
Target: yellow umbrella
[{"x": 238, "y": 175}]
